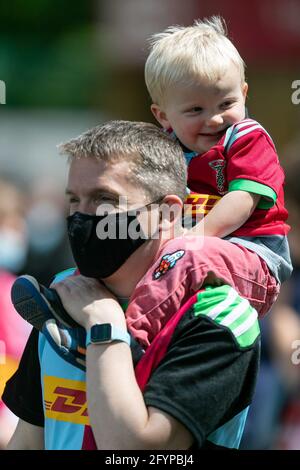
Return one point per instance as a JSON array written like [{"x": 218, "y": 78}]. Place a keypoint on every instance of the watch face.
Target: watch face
[{"x": 101, "y": 333}]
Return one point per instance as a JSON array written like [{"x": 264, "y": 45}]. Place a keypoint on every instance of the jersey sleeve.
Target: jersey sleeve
[
  {"x": 206, "y": 378},
  {"x": 252, "y": 163},
  {"x": 23, "y": 392}
]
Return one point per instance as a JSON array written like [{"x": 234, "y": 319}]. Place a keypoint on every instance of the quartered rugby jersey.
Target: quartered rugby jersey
[
  {"x": 244, "y": 159},
  {"x": 216, "y": 311}
]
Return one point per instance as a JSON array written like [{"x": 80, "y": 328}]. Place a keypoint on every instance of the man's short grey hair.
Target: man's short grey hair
[
  {"x": 187, "y": 54},
  {"x": 156, "y": 161}
]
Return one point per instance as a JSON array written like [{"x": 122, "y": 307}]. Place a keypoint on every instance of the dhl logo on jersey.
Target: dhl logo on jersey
[
  {"x": 200, "y": 203},
  {"x": 65, "y": 400}
]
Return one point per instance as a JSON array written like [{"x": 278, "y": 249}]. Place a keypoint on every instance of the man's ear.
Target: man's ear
[
  {"x": 171, "y": 217},
  {"x": 160, "y": 116}
]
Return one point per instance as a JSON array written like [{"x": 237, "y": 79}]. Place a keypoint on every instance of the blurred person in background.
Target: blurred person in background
[
  {"x": 13, "y": 231},
  {"x": 285, "y": 322},
  {"x": 274, "y": 418},
  {"x": 13, "y": 329},
  {"x": 48, "y": 250}
]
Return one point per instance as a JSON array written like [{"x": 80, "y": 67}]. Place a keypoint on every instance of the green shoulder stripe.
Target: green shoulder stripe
[{"x": 227, "y": 308}]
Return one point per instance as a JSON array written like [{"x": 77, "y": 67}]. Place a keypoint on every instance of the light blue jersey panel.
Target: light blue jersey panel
[
  {"x": 63, "y": 274},
  {"x": 63, "y": 387},
  {"x": 61, "y": 381},
  {"x": 230, "y": 434}
]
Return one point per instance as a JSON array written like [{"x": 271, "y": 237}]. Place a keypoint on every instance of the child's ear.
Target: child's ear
[
  {"x": 245, "y": 90},
  {"x": 160, "y": 116}
]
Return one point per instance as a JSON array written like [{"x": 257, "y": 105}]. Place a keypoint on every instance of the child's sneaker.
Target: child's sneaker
[
  {"x": 42, "y": 308},
  {"x": 37, "y": 304}
]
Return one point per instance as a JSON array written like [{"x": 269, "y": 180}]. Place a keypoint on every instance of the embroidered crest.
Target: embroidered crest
[
  {"x": 167, "y": 262},
  {"x": 218, "y": 166}
]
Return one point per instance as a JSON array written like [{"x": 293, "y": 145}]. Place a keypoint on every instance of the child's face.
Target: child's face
[{"x": 200, "y": 114}]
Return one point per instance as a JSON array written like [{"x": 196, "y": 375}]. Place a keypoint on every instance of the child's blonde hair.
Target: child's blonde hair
[{"x": 188, "y": 54}]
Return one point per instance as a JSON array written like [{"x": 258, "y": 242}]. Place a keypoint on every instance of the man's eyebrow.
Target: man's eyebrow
[{"x": 103, "y": 190}]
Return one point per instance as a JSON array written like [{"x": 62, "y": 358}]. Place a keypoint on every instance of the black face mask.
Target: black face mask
[{"x": 101, "y": 257}]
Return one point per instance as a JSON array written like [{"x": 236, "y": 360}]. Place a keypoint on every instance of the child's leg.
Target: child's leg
[{"x": 206, "y": 261}]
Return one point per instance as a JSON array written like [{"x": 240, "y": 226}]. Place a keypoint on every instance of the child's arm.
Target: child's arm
[{"x": 230, "y": 213}]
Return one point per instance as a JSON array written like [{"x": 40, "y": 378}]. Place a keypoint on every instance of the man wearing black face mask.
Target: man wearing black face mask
[{"x": 193, "y": 384}]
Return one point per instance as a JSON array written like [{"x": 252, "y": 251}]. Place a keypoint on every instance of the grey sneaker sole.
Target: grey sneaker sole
[{"x": 37, "y": 304}]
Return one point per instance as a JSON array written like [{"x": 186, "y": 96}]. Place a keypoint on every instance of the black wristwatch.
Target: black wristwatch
[{"x": 106, "y": 333}]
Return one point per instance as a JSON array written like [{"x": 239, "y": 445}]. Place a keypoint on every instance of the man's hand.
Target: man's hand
[{"x": 88, "y": 302}]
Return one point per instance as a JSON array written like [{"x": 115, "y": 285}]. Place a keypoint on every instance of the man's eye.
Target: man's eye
[
  {"x": 105, "y": 200},
  {"x": 73, "y": 200},
  {"x": 102, "y": 199}
]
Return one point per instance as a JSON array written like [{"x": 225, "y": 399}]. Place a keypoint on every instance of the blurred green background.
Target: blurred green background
[{"x": 89, "y": 55}]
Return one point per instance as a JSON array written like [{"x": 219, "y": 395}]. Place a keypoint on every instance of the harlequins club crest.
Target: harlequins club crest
[
  {"x": 167, "y": 262},
  {"x": 218, "y": 166}
]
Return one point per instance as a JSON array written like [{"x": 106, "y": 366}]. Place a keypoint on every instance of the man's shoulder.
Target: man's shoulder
[
  {"x": 189, "y": 244},
  {"x": 176, "y": 252},
  {"x": 163, "y": 290}
]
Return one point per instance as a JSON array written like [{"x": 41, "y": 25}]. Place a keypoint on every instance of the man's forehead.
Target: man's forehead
[
  {"x": 94, "y": 172},
  {"x": 96, "y": 184},
  {"x": 89, "y": 176}
]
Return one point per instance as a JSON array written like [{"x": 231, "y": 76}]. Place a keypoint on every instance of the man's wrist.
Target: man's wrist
[
  {"x": 97, "y": 321},
  {"x": 105, "y": 333},
  {"x": 103, "y": 312},
  {"x": 90, "y": 323}
]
